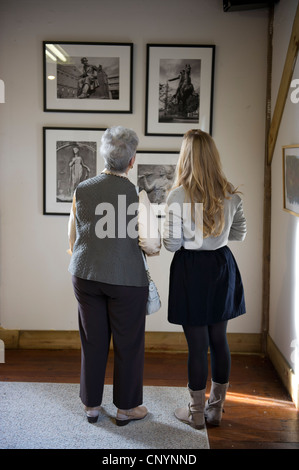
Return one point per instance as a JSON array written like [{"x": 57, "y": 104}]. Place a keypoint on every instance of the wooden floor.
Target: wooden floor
[{"x": 259, "y": 413}]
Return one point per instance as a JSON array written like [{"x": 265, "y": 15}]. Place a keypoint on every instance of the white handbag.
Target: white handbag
[{"x": 153, "y": 301}]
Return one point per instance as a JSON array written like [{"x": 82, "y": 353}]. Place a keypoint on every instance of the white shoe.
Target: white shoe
[
  {"x": 123, "y": 417},
  {"x": 92, "y": 413}
]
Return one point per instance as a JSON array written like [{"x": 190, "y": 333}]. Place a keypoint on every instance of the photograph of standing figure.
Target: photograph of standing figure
[{"x": 76, "y": 162}]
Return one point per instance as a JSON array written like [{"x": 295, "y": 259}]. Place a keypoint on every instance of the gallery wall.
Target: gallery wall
[{"x": 35, "y": 286}]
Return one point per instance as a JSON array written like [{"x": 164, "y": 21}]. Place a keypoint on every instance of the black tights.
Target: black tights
[{"x": 199, "y": 338}]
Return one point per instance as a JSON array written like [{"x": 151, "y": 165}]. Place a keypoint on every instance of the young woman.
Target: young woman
[{"x": 203, "y": 212}]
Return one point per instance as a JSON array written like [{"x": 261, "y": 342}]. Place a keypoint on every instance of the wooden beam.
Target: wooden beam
[
  {"x": 267, "y": 193},
  {"x": 155, "y": 341},
  {"x": 284, "y": 86}
]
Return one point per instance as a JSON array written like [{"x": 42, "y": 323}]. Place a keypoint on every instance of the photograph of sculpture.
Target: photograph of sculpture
[
  {"x": 85, "y": 78},
  {"x": 88, "y": 77},
  {"x": 290, "y": 155},
  {"x": 179, "y": 89},
  {"x": 75, "y": 162},
  {"x": 156, "y": 180},
  {"x": 70, "y": 157},
  {"x": 154, "y": 172}
]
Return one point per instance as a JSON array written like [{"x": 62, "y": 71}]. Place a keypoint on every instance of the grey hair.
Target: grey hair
[{"x": 118, "y": 146}]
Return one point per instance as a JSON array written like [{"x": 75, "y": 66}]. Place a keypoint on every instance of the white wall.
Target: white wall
[
  {"x": 35, "y": 286},
  {"x": 284, "y": 286}
]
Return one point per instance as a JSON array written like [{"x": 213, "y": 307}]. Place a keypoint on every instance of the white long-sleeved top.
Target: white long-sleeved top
[
  {"x": 148, "y": 230},
  {"x": 180, "y": 230}
]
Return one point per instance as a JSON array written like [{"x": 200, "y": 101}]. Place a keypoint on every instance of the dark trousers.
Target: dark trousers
[{"x": 106, "y": 309}]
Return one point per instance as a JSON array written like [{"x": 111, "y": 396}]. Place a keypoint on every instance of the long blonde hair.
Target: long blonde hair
[{"x": 200, "y": 173}]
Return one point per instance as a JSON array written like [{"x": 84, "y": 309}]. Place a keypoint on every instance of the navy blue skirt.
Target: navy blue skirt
[{"x": 205, "y": 287}]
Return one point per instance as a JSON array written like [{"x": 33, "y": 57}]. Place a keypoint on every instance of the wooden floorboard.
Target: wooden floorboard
[{"x": 259, "y": 413}]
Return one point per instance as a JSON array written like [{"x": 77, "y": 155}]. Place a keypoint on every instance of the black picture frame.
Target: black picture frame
[
  {"x": 87, "y": 77},
  {"x": 290, "y": 172},
  {"x": 70, "y": 155},
  {"x": 154, "y": 171},
  {"x": 172, "y": 109}
]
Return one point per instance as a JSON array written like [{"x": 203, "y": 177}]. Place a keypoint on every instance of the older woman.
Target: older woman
[{"x": 109, "y": 277}]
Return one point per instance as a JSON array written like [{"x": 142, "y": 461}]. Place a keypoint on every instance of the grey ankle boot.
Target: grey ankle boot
[
  {"x": 214, "y": 405},
  {"x": 194, "y": 413}
]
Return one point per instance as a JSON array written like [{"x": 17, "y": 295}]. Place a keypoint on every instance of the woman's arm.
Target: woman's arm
[
  {"x": 238, "y": 228},
  {"x": 72, "y": 226},
  {"x": 173, "y": 226}
]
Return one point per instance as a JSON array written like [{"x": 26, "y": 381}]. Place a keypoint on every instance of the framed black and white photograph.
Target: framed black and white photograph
[
  {"x": 179, "y": 89},
  {"x": 154, "y": 171},
  {"x": 290, "y": 159},
  {"x": 88, "y": 77},
  {"x": 71, "y": 155}
]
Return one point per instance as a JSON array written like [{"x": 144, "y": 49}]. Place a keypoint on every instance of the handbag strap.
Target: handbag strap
[
  {"x": 149, "y": 278},
  {"x": 143, "y": 255}
]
